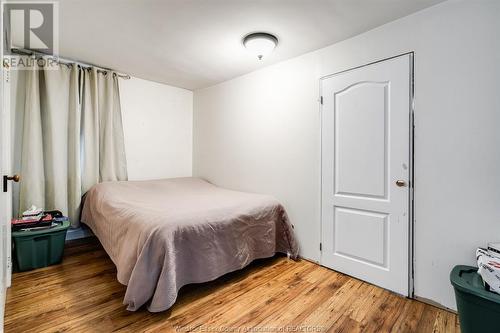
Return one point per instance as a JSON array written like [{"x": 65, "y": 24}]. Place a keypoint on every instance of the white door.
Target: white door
[
  {"x": 366, "y": 172},
  {"x": 5, "y": 194}
]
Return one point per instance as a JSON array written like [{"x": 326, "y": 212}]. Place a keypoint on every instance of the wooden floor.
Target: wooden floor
[{"x": 272, "y": 295}]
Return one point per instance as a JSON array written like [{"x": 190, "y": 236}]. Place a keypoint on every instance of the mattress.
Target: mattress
[{"x": 164, "y": 234}]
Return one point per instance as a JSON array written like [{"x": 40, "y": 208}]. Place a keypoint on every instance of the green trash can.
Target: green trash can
[
  {"x": 39, "y": 248},
  {"x": 478, "y": 308}
]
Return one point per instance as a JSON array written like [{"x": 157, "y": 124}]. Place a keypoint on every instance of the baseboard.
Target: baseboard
[
  {"x": 310, "y": 260},
  {"x": 433, "y": 303}
]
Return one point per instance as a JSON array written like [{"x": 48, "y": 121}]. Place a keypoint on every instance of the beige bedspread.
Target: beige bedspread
[{"x": 164, "y": 234}]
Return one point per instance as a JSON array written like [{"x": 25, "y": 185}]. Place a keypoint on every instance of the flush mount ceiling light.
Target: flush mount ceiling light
[{"x": 260, "y": 43}]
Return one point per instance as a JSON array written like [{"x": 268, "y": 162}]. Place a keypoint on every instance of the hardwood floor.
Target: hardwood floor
[{"x": 271, "y": 295}]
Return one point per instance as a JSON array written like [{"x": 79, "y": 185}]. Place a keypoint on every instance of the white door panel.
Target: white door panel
[
  {"x": 360, "y": 161},
  {"x": 365, "y": 150},
  {"x": 5, "y": 169},
  {"x": 348, "y": 223}
]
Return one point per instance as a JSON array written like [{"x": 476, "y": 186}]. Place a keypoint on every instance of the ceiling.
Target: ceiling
[{"x": 197, "y": 43}]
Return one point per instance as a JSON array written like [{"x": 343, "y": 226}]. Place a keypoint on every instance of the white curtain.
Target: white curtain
[
  {"x": 72, "y": 137},
  {"x": 103, "y": 148}
]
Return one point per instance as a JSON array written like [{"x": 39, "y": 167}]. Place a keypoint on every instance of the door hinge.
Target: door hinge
[
  {"x": 321, "y": 100},
  {"x": 321, "y": 246}
]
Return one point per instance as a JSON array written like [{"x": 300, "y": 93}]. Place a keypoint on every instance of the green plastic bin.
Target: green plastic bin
[
  {"x": 40, "y": 248},
  {"x": 478, "y": 309}
]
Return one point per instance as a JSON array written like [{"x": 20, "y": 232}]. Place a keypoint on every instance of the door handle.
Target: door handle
[
  {"x": 400, "y": 183},
  {"x": 15, "y": 178}
]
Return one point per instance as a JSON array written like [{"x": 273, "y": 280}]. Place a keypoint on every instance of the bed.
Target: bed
[{"x": 164, "y": 234}]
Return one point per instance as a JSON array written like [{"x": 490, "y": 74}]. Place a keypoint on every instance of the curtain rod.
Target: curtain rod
[{"x": 67, "y": 61}]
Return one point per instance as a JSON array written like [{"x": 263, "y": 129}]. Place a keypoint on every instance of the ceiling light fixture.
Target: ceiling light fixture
[{"x": 260, "y": 43}]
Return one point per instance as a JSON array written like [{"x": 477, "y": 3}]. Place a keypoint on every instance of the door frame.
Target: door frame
[
  {"x": 5, "y": 165},
  {"x": 411, "y": 158}
]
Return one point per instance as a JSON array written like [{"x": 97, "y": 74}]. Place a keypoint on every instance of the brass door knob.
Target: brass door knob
[
  {"x": 15, "y": 178},
  {"x": 400, "y": 183},
  {"x": 6, "y": 178}
]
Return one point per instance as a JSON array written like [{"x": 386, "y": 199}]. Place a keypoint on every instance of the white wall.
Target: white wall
[
  {"x": 260, "y": 132},
  {"x": 158, "y": 124}
]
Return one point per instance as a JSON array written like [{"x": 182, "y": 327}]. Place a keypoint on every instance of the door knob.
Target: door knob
[
  {"x": 15, "y": 178},
  {"x": 400, "y": 183}
]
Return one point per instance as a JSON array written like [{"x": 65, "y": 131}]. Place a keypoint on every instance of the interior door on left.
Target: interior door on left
[{"x": 5, "y": 196}]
